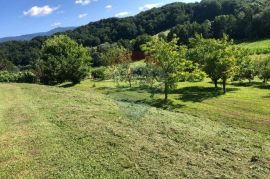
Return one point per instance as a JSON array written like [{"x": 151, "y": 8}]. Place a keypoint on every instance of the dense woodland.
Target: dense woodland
[{"x": 240, "y": 19}]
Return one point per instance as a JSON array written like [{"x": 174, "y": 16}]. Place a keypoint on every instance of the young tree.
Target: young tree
[
  {"x": 169, "y": 60},
  {"x": 263, "y": 68},
  {"x": 108, "y": 54},
  {"x": 217, "y": 57},
  {"x": 63, "y": 60},
  {"x": 245, "y": 66}
]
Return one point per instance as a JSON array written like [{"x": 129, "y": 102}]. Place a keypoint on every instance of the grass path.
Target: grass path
[{"x": 50, "y": 132}]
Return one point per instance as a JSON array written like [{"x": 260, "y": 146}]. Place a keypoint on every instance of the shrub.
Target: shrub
[
  {"x": 8, "y": 77},
  {"x": 27, "y": 77},
  {"x": 98, "y": 73},
  {"x": 21, "y": 77},
  {"x": 63, "y": 60}
]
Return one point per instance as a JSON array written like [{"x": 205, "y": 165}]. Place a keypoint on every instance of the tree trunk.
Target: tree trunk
[
  {"x": 166, "y": 91},
  {"x": 224, "y": 85},
  {"x": 216, "y": 83},
  {"x": 129, "y": 81}
]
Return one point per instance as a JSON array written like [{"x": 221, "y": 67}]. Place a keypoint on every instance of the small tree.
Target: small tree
[
  {"x": 63, "y": 60},
  {"x": 109, "y": 54},
  {"x": 245, "y": 66},
  {"x": 169, "y": 60},
  {"x": 263, "y": 68},
  {"x": 217, "y": 57}
]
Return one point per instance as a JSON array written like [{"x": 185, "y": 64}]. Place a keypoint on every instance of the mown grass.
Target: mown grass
[
  {"x": 79, "y": 132},
  {"x": 246, "y": 105}
]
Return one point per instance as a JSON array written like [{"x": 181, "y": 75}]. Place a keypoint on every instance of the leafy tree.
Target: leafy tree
[
  {"x": 189, "y": 30},
  {"x": 63, "y": 60},
  {"x": 109, "y": 54},
  {"x": 245, "y": 66},
  {"x": 263, "y": 68},
  {"x": 121, "y": 73},
  {"x": 168, "y": 59},
  {"x": 224, "y": 24},
  {"x": 217, "y": 57}
]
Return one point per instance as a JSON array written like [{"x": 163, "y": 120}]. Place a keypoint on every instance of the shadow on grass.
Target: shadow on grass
[
  {"x": 259, "y": 85},
  {"x": 199, "y": 94},
  {"x": 193, "y": 93}
]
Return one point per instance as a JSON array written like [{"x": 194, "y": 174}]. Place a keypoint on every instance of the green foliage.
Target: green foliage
[
  {"x": 217, "y": 57},
  {"x": 257, "y": 47},
  {"x": 168, "y": 59},
  {"x": 63, "y": 60},
  {"x": 26, "y": 77},
  {"x": 188, "y": 30},
  {"x": 6, "y": 65},
  {"x": 240, "y": 19},
  {"x": 17, "y": 77},
  {"x": 109, "y": 54},
  {"x": 6, "y": 76},
  {"x": 263, "y": 68},
  {"x": 98, "y": 73},
  {"x": 245, "y": 66}
]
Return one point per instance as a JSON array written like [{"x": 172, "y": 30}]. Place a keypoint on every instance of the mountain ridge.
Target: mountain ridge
[{"x": 28, "y": 37}]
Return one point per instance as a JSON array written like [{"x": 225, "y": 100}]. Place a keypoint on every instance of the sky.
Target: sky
[{"x": 20, "y": 17}]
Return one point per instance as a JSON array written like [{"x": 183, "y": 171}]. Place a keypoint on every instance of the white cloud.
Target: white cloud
[
  {"x": 40, "y": 11},
  {"x": 56, "y": 24},
  {"x": 82, "y": 15},
  {"x": 122, "y": 14},
  {"x": 83, "y": 2},
  {"x": 108, "y": 6},
  {"x": 149, "y": 6}
]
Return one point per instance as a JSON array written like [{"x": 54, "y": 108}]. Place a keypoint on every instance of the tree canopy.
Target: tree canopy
[{"x": 62, "y": 59}]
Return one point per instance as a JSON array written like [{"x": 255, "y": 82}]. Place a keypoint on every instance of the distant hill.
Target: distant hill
[{"x": 31, "y": 36}]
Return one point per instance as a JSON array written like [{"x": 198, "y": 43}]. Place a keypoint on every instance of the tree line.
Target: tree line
[
  {"x": 166, "y": 63},
  {"x": 240, "y": 19}
]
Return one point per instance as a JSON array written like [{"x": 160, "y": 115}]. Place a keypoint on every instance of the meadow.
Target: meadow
[
  {"x": 99, "y": 130},
  {"x": 258, "y": 46}
]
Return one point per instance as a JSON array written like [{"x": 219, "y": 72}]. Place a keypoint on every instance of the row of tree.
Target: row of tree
[{"x": 166, "y": 62}]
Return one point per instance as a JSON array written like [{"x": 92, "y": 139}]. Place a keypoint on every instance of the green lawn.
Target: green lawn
[{"x": 95, "y": 130}]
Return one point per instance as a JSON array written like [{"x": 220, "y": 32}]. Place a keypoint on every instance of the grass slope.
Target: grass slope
[
  {"x": 51, "y": 132},
  {"x": 259, "y": 47}
]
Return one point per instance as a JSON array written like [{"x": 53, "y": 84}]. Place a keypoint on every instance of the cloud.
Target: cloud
[
  {"x": 56, "y": 24},
  {"x": 83, "y": 2},
  {"x": 149, "y": 6},
  {"x": 82, "y": 15},
  {"x": 122, "y": 14},
  {"x": 108, "y": 6},
  {"x": 40, "y": 11}
]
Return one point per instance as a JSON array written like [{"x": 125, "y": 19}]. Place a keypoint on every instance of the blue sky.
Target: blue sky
[{"x": 20, "y": 17}]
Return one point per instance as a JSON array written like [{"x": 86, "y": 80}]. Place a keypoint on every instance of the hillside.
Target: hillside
[
  {"x": 79, "y": 132},
  {"x": 240, "y": 19},
  {"x": 259, "y": 46},
  {"x": 31, "y": 36}
]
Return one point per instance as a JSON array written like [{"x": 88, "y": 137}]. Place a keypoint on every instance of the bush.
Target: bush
[
  {"x": 263, "y": 68},
  {"x": 98, "y": 73},
  {"x": 27, "y": 77},
  {"x": 63, "y": 60},
  {"x": 21, "y": 77},
  {"x": 8, "y": 77}
]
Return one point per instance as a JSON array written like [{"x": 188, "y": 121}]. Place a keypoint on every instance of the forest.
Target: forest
[{"x": 241, "y": 20}]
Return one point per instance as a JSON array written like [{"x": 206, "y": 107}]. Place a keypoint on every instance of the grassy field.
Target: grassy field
[
  {"x": 107, "y": 132},
  {"x": 259, "y": 47}
]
